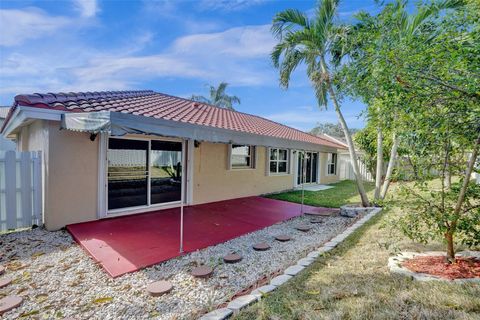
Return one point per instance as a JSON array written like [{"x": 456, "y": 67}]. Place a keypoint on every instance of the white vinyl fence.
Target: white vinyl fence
[
  {"x": 20, "y": 190},
  {"x": 346, "y": 170}
]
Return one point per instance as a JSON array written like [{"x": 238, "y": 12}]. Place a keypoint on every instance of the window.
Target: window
[
  {"x": 278, "y": 160},
  {"x": 242, "y": 157},
  {"x": 332, "y": 164}
]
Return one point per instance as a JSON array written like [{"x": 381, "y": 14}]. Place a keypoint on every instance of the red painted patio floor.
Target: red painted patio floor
[{"x": 129, "y": 243}]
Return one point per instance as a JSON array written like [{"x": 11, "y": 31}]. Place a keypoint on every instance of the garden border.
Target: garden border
[
  {"x": 395, "y": 266},
  {"x": 256, "y": 295}
]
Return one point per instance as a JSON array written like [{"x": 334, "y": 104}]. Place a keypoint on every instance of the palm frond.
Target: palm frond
[
  {"x": 200, "y": 99},
  {"x": 288, "y": 19}
]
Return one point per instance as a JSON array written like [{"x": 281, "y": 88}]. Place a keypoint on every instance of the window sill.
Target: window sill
[{"x": 278, "y": 174}]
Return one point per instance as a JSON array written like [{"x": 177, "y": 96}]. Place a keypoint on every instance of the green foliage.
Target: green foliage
[
  {"x": 332, "y": 129},
  {"x": 218, "y": 97},
  {"x": 429, "y": 213}
]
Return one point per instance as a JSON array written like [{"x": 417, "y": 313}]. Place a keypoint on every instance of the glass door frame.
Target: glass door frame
[
  {"x": 297, "y": 164},
  {"x": 103, "y": 211}
]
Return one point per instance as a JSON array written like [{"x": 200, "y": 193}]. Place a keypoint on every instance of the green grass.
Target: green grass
[
  {"x": 353, "y": 282},
  {"x": 344, "y": 192}
]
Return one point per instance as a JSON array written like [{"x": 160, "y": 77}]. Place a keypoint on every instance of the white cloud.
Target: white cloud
[
  {"x": 228, "y": 5},
  {"x": 306, "y": 117},
  {"x": 237, "y": 55},
  {"x": 19, "y": 26},
  {"x": 243, "y": 42},
  {"x": 87, "y": 8}
]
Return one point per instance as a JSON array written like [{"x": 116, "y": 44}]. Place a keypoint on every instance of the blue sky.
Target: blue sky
[{"x": 175, "y": 47}]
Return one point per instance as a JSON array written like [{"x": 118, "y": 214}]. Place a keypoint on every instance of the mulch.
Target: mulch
[{"x": 463, "y": 268}]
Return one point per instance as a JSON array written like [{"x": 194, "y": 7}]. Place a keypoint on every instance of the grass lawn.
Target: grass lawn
[
  {"x": 353, "y": 282},
  {"x": 344, "y": 192}
]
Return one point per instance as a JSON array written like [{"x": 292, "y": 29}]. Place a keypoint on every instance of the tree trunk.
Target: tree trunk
[
  {"x": 391, "y": 165},
  {"x": 450, "y": 247},
  {"x": 348, "y": 137},
  {"x": 379, "y": 170}
]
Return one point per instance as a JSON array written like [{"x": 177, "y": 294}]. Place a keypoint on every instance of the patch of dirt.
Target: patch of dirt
[{"x": 463, "y": 267}]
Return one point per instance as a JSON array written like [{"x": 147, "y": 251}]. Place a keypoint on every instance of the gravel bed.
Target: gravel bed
[{"x": 58, "y": 279}]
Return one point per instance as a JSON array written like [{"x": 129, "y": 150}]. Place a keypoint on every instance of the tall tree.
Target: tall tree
[
  {"x": 372, "y": 73},
  {"x": 332, "y": 129},
  {"x": 310, "y": 41},
  {"x": 218, "y": 97}
]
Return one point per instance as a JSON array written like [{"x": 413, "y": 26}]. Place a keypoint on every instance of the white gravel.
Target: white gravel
[{"x": 58, "y": 279}]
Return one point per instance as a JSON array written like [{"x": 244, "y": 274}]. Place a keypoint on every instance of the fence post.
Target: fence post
[
  {"x": 37, "y": 189},
  {"x": 26, "y": 188},
  {"x": 11, "y": 189}
]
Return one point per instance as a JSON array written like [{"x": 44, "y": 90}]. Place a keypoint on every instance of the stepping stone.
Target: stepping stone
[
  {"x": 304, "y": 228},
  {"x": 261, "y": 246},
  {"x": 202, "y": 272},
  {"x": 158, "y": 288},
  {"x": 283, "y": 238},
  {"x": 232, "y": 258},
  {"x": 5, "y": 282},
  {"x": 321, "y": 213},
  {"x": 317, "y": 220},
  {"x": 9, "y": 302},
  {"x": 2, "y": 270}
]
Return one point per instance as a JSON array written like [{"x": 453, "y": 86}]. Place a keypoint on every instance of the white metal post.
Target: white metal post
[
  {"x": 182, "y": 196},
  {"x": 304, "y": 172}
]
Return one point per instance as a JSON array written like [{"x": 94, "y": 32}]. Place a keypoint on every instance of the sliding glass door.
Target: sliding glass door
[
  {"x": 143, "y": 173},
  {"x": 311, "y": 167}
]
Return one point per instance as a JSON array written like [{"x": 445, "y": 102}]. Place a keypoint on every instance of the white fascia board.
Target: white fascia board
[{"x": 24, "y": 115}]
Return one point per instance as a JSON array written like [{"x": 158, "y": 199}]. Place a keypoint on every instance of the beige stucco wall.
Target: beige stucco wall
[
  {"x": 70, "y": 168},
  {"x": 324, "y": 178},
  {"x": 213, "y": 181}
]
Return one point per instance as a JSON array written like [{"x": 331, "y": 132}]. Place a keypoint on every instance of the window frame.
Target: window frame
[
  {"x": 332, "y": 161},
  {"x": 278, "y": 161},
  {"x": 252, "y": 155}
]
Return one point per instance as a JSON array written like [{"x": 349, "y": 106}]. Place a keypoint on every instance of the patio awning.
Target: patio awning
[{"x": 119, "y": 124}]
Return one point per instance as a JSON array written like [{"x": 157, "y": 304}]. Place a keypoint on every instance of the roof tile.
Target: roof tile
[{"x": 161, "y": 106}]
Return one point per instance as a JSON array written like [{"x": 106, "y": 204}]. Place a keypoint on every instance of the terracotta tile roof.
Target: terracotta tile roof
[{"x": 161, "y": 106}]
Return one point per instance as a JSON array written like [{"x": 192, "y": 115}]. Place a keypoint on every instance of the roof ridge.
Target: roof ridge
[{"x": 47, "y": 98}]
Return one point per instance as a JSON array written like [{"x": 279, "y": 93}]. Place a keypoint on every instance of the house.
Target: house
[
  {"x": 344, "y": 164},
  {"x": 107, "y": 154},
  {"x": 5, "y": 144}
]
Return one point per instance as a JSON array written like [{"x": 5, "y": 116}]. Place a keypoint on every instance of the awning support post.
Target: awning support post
[{"x": 304, "y": 173}]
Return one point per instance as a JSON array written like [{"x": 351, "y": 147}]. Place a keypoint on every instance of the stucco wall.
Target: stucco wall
[
  {"x": 72, "y": 181},
  {"x": 213, "y": 181},
  {"x": 70, "y": 167},
  {"x": 324, "y": 178}
]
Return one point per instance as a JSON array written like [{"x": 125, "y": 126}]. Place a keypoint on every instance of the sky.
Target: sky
[{"x": 174, "y": 47}]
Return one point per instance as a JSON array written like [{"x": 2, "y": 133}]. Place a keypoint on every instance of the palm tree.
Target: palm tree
[
  {"x": 304, "y": 40},
  {"x": 218, "y": 97}
]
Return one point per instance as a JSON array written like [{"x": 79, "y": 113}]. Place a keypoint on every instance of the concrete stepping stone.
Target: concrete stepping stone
[
  {"x": 202, "y": 272},
  {"x": 158, "y": 288},
  {"x": 303, "y": 228},
  {"x": 2, "y": 270},
  {"x": 9, "y": 302},
  {"x": 218, "y": 314},
  {"x": 283, "y": 238},
  {"x": 317, "y": 220},
  {"x": 232, "y": 258},
  {"x": 261, "y": 246},
  {"x": 5, "y": 282}
]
